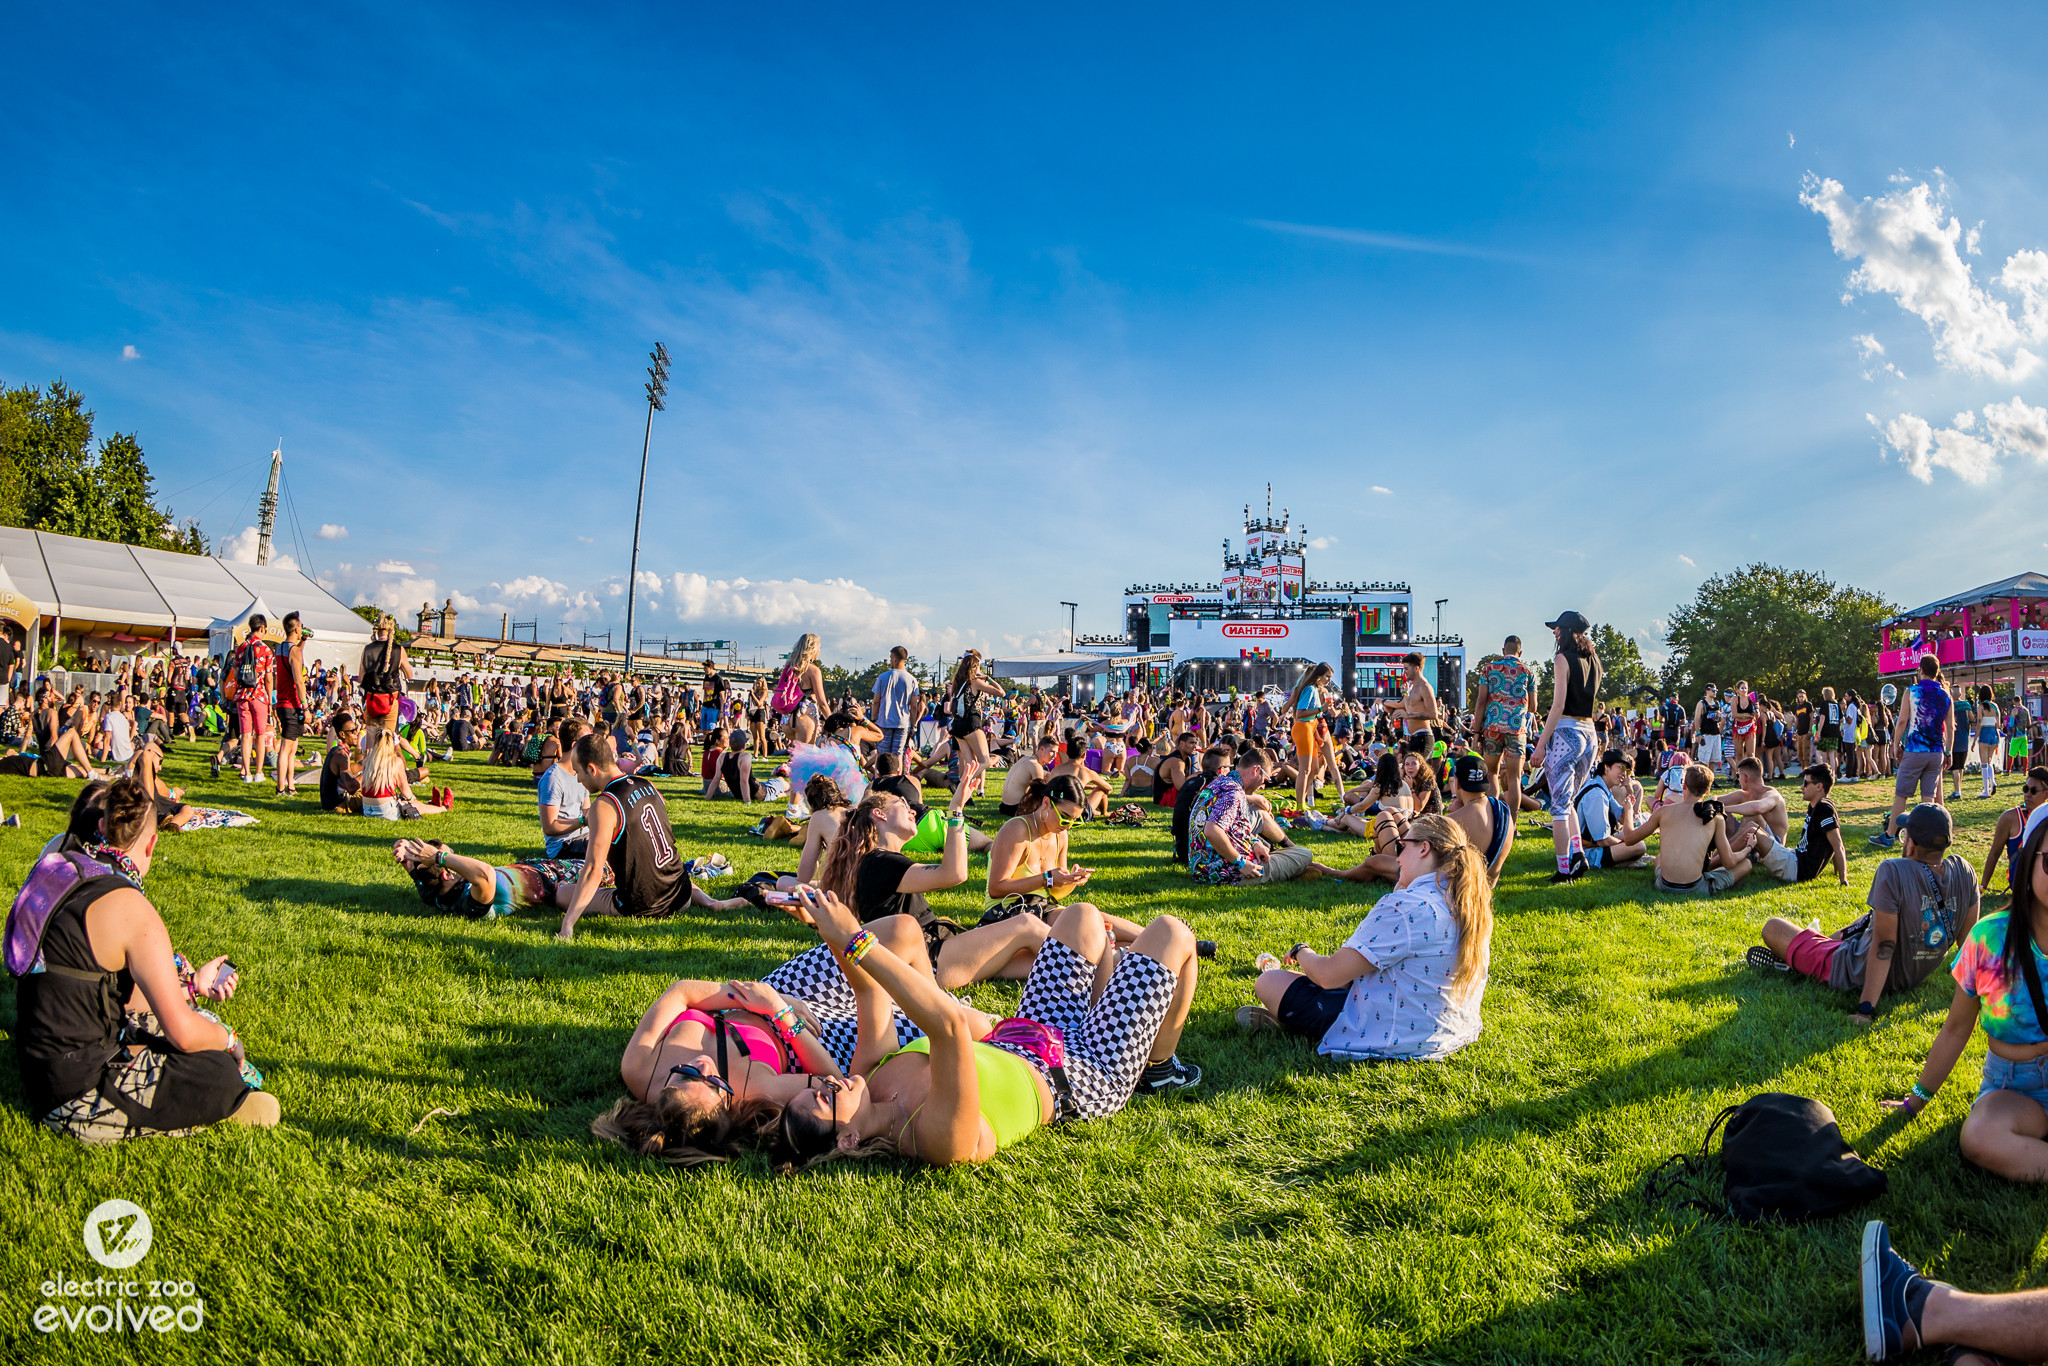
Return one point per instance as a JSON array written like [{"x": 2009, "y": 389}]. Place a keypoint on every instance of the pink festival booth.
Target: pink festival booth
[{"x": 1996, "y": 634}]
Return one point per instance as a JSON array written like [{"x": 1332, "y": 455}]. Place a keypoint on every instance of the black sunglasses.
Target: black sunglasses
[
  {"x": 691, "y": 1072},
  {"x": 833, "y": 1085}
]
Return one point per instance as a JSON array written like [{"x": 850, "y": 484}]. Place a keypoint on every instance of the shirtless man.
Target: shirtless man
[
  {"x": 1025, "y": 772},
  {"x": 1691, "y": 834},
  {"x": 1755, "y": 804},
  {"x": 1486, "y": 820},
  {"x": 1096, "y": 790},
  {"x": 1174, "y": 769},
  {"x": 1418, "y": 704}
]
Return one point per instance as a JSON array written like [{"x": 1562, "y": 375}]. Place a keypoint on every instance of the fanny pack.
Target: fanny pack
[{"x": 1045, "y": 1047}]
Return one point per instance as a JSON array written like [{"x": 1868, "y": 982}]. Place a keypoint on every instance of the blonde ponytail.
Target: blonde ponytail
[{"x": 1469, "y": 891}]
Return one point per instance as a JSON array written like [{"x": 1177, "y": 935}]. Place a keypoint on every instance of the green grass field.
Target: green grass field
[{"x": 1484, "y": 1209}]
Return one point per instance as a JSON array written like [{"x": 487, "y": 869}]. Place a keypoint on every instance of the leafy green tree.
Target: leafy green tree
[
  {"x": 373, "y": 614},
  {"x": 1780, "y": 629},
  {"x": 51, "y": 478}
]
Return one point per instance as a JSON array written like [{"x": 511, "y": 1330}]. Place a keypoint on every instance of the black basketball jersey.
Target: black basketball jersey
[{"x": 650, "y": 876}]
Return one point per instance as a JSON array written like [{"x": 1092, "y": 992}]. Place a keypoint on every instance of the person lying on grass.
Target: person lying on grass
[
  {"x": 1408, "y": 982},
  {"x": 1998, "y": 974},
  {"x": 1693, "y": 853},
  {"x": 699, "y": 1120},
  {"x": 108, "y": 1032},
  {"x": 452, "y": 882},
  {"x": 1094, "y": 1026},
  {"x": 1919, "y": 906},
  {"x": 868, "y": 871}
]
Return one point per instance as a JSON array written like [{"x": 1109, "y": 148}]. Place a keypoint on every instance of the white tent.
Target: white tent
[
  {"x": 225, "y": 633},
  {"x": 79, "y": 587}
]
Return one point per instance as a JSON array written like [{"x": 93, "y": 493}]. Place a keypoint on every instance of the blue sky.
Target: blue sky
[{"x": 973, "y": 313}]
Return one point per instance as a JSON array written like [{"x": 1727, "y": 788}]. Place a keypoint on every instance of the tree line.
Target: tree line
[
  {"x": 53, "y": 478},
  {"x": 1779, "y": 629}
]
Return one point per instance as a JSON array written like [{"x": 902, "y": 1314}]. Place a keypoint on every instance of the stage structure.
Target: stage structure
[{"x": 1265, "y": 620}]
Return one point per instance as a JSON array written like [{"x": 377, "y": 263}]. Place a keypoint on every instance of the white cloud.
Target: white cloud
[
  {"x": 2009, "y": 429},
  {"x": 240, "y": 548},
  {"x": 852, "y": 622},
  {"x": 1381, "y": 488},
  {"x": 588, "y": 540},
  {"x": 1869, "y": 349},
  {"x": 1905, "y": 246},
  {"x": 1790, "y": 142},
  {"x": 130, "y": 353},
  {"x": 1687, "y": 560},
  {"x": 331, "y": 532},
  {"x": 1322, "y": 543},
  {"x": 373, "y": 587},
  {"x": 398, "y": 567}
]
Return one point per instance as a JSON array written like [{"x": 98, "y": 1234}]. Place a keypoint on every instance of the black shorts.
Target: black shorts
[
  {"x": 291, "y": 722},
  {"x": 1024, "y": 903},
  {"x": 963, "y": 727},
  {"x": 1310, "y": 1010},
  {"x": 1006, "y": 808}
]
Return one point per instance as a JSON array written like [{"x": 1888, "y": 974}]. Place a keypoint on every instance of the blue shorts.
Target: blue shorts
[
  {"x": 893, "y": 738},
  {"x": 1309, "y": 1010},
  {"x": 2030, "y": 1079}
]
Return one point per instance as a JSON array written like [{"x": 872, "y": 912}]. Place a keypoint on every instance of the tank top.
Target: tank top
[
  {"x": 287, "y": 687},
  {"x": 68, "y": 1017},
  {"x": 1710, "y": 720},
  {"x": 2012, "y": 844},
  {"x": 650, "y": 875},
  {"x": 1581, "y": 685},
  {"x": 755, "y": 1042},
  {"x": 1008, "y": 1086}
]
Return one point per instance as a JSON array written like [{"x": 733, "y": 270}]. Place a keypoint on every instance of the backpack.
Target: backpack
[
  {"x": 245, "y": 666},
  {"x": 1783, "y": 1157},
  {"x": 50, "y": 883},
  {"x": 788, "y": 694},
  {"x": 380, "y": 677}
]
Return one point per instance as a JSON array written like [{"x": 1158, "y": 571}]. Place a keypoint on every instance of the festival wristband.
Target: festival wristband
[
  {"x": 1048, "y": 877},
  {"x": 1923, "y": 1093},
  {"x": 860, "y": 946}
]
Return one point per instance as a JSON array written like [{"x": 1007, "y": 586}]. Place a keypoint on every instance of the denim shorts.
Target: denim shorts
[{"x": 2030, "y": 1079}]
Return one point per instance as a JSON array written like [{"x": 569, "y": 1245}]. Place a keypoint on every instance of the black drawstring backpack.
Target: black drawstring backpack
[{"x": 1783, "y": 1157}]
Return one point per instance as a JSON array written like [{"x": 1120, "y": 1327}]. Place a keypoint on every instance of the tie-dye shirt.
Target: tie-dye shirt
[{"x": 2005, "y": 1010}]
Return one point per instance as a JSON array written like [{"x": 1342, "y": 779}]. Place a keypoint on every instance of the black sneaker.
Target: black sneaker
[
  {"x": 1165, "y": 1078},
  {"x": 1761, "y": 957},
  {"x": 1205, "y": 948}
]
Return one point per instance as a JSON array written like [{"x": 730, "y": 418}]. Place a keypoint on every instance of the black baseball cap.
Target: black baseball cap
[
  {"x": 1470, "y": 772},
  {"x": 1570, "y": 621},
  {"x": 1930, "y": 826}
]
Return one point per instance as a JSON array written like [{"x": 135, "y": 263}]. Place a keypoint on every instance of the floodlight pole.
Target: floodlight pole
[
  {"x": 1071, "y": 608},
  {"x": 657, "y": 391},
  {"x": 1440, "y": 618}
]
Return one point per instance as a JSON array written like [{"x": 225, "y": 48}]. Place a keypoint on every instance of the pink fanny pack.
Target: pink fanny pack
[{"x": 1042, "y": 1043}]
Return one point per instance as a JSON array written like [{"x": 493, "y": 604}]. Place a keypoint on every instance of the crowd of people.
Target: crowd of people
[{"x": 859, "y": 1046}]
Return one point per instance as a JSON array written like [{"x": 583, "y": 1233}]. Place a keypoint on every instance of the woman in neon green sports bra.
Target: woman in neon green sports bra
[{"x": 969, "y": 1088}]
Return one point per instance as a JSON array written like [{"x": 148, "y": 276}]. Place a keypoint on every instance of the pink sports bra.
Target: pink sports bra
[{"x": 758, "y": 1044}]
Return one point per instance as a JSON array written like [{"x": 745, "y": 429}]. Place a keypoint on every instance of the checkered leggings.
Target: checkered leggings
[
  {"x": 1109, "y": 1041},
  {"x": 814, "y": 978}
]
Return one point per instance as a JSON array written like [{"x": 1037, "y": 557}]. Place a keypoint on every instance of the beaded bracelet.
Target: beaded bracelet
[
  {"x": 788, "y": 1024},
  {"x": 860, "y": 946}
]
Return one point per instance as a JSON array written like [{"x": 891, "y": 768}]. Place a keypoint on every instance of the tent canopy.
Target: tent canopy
[
  {"x": 102, "y": 587},
  {"x": 2027, "y": 585},
  {"x": 1065, "y": 663}
]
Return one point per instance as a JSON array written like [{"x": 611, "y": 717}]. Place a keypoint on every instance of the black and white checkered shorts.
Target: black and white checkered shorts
[
  {"x": 1107, "y": 1043},
  {"x": 814, "y": 978}
]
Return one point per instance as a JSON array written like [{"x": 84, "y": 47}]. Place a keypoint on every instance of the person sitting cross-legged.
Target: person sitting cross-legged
[
  {"x": 1408, "y": 982},
  {"x": 1604, "y": 805},
  {"x": 1692, "y": 837},
  {"x": 1224, "y": 846}
]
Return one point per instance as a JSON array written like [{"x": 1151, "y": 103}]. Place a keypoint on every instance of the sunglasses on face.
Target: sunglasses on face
[
  {"x": 692, "y": 1072},
  {"x": 833, "y": 1086}
]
